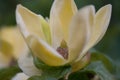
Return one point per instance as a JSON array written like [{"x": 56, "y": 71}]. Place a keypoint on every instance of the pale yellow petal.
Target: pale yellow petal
[
  {"x": 13, "y": 37},
  {"x": 46, "y": 30},
  {"x": 61, "y": 14},
  {"x": 101, "y": 22},
  {"x": 6, "y": 53},
  {"x": 30, "y": 23},
  {"x": 45, "y": 52},
  {"x": 81, "y": 63},
  {"x": 26, "y": 64},
  {"x": 4, "y": 60},
  {"x": 80, "y": 31}
]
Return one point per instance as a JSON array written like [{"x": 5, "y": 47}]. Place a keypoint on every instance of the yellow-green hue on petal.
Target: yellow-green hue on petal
[
  {"x": 31, "y": 23},
  {"x": 44, "y": 52},
  {"x": 101, "y": 21},
  {"x": 61, "y": 14},
  {"x": 79, "y": 32},
  {"x": 46, "y": 30}
]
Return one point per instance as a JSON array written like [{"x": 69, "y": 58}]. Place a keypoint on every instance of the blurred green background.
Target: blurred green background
[{"x": 109, "y": 45}]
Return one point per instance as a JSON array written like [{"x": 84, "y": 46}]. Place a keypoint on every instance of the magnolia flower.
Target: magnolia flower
[
  {"x": 12, "y": 45},
  {"x": 67, "y": 36}
]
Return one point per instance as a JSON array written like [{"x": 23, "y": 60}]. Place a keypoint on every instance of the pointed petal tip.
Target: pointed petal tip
[
  {"x": 109, "y": 6},
  {"x": 19, "y": 6},
  {"x": 89, "y": 6}
]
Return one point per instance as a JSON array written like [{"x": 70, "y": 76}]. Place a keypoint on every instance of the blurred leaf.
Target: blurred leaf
[
  {"x": 117, "y": 74},
  {"x": 100, "y": 65},
  {"x": 82, "y": 75},
  {"x": 41, "y": 78},
  {"x": 107, "y": 62},
  {"x": 100, "y": 70},
  {"x": 8, "y": 73},
  {"x": 110, "y": 44}
]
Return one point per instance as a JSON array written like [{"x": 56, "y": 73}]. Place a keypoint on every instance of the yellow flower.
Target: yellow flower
[
  {"x": 69, "y": 33},
  {"x": 12, "y": 45}
]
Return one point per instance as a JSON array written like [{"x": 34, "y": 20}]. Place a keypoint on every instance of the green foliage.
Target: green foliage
[
  {"x": 110, "y": 43},
  {"x": 50, "y": 71},
  {"x": 107, "y": 62},
  {"x": 8, "y": 73},
  {"x": 100, "y": 66},
  {"x": 100, "y": 70},
  {"x": 41, "y": 78},
  {"x": 82, "y": 75}
]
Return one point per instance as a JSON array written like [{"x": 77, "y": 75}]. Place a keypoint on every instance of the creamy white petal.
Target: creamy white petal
[
  {"x": 102, "y": 18},
  {"x": 26, "y": 64},
  {"x": 80, "y": 31},
  {"x": 101, "y": 22},
  {"x": 61, "y": 14},
  {"x": 30, "y": 23},
  {"x": 20, "y": 76},
  {"x": 45, "y": 52}
]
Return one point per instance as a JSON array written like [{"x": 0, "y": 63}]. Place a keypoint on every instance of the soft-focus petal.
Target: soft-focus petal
[
  {"x": 26, "y": 64},
  {"x": 60, "y": 17},
  {"x": 30, "y": 23},
  {"x": 101, "y": 22},
  {"x": 12, "y": 36},
  {"x": 81, "y": 63},
  {"x": 45, "y": 52},
  {"x": 20, "y": 76},
  {"x": 79, "y": 31},
  {"x": 4, "y": 60}
]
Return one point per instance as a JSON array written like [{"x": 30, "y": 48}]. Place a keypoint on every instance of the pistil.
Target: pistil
[{"x": 63, "y": 49}]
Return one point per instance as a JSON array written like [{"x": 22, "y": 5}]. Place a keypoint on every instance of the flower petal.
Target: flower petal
[
  {"x": 4, "y": 60},
  {"x": 61, "y": 14},
  {"x": 80, "y": 31},
  {"x": 101, "y": 22},
  {"x": 81, "y": 63},
  {"x": 45, "y": 52},
  {"x": 25, "y": 62},
  {"x": 12, "y": 36},
  {"x": 30, "y": 23},
  {"x": 46, "y": 30}
]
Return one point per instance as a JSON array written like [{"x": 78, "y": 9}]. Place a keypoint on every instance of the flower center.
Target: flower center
[{"x": 63, "y": 49}]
